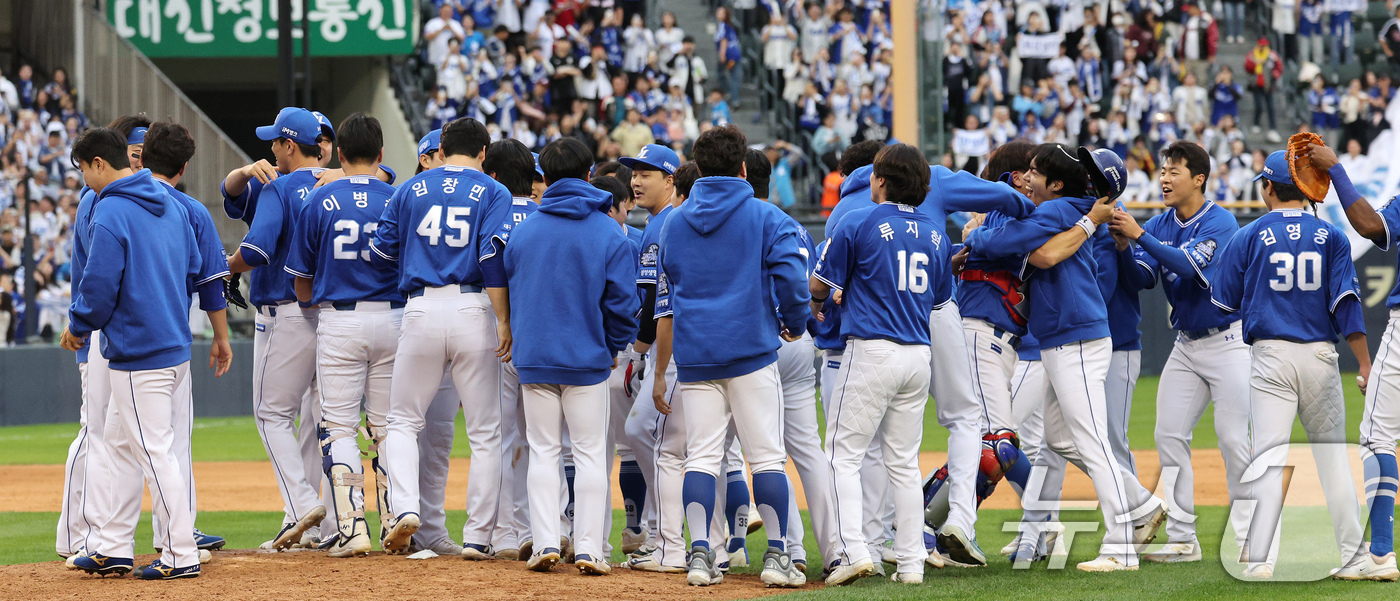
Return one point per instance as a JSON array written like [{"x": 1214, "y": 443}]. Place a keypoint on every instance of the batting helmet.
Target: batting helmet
[{"x": 1106, "y": 171}]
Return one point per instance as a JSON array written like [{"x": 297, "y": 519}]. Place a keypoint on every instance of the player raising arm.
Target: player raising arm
[
  {"x": 1291, "y": 276},
  {"x": 1380, "y": 420}
]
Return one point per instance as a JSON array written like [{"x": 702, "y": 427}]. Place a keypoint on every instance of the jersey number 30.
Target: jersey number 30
[
  {"x": 1307, "y": 265},
  {"x": 912, "y": 276},
  {"x": 432, "y": 225}
]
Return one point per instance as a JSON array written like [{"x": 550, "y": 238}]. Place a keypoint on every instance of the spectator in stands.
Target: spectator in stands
[
  {"x": 1322, "y": 103},
  {"x": 8, "y": 94},
  {"x": 26, "y": 87},
  {"x": 438, "y": 31},
  {"x": 1310, "y": 31},
  {"x": 971, "y": 142},
  {"x": 957, "y": 75},
  {"x": 669, "y": 38},
  {"x": 1390, "y": 39},
  {"x": 827, "y": 141},
  {"x": 729, "y": 55},
  {"x": 1354, "y": 107},
  {"x": 1264, "y": 68},
  {"x": 796, "y": 75},
  {"x": 1189, "y": 100},
  {"x": 815, "y": 29},
  {"x": 640, "y": 43},
  {"x": 1234, "y": 21},
  {"x": 689, "y": 70},
  {"x": 1339, "y": 24},
  {"x": 632, "y": 134},
  {"x": 719, "y": 109},
  {"x": 441, "y": 110},
  {"x": 1196, "y": 48},
  {"x": 779, "y": 42}
]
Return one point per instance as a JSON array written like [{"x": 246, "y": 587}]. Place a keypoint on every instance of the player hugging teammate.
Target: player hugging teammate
[{"x": 509, "y": 287}]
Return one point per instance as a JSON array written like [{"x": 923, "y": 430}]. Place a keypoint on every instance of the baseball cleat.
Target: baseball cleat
[
  {"x": 205, "y": 556},
  {"x": 507, "y": 554},
  {"x": 1027, "y": 552},
  {"x": 961, "y": 548},
  {"x": 291, "y": 534},
  {"x": 780, "y": 571},
  {"x": 590, "y": 567},
  {"x": 69, "y": 561},
  {"x": 544, "y": 561},
  {"x": 934, "y": 559},
  {"x": 755, "y": 520},
  {"x": 475, "y": 552},
  {"x": 357, "y": 545},
  {"x": 701, "y": 569},
  {"x": 1010, "y": 548},
  {"x": 566, "y": 549},
  {"x": 1175, "y": 553},
  {"x": 402, "y": 532},
  {"x": 208, "y": 541},
  {"x": 1105, "y": 563},
  {"x": 1369, "y": 567},
  {"x": 739, "y": 557},
  {"x": 159, "y": 571},
  {"x": 527, "y": 546},
  {"x": 1259, "y": 571},
  {"x": 887, "y": 554},
  {"x": 800, "y": 564},
  {"x": 632, "y": 540},
  {"x": 446, "y": 548},
  {"x": 644, "y": 560},
  {"x": 97, "y": 563},
  {"x": 845, "y": 574},
  {"x": 1144, "y": 532},
  {"x": 907, "y": 578}
]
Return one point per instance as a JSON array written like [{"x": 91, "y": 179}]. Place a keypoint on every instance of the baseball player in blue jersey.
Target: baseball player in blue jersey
[
  {"x": 1178, "y": 247},
  {"x": 568, "y": 382},
  {"x": 1290, "y": 274},
  {"x": 1380, "y": 421},
  {"x": 439, "y": 227},
  {"x": 358, "y": 332},
  {"x": 284, "y": 342},
  {"x": 511, "y": 163},
  {"x": 724, "y": 259},
  {"x": 879, "y": 258},
  {"x": 1069, "y": 318},
  {"x": 136, "y": 287}
]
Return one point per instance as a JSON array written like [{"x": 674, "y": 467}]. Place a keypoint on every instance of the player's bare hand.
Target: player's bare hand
[
  {"x": 261, "y": 170},
  {"x": 959, "y": 260},
  {"x": 817, "y": 311},
  {"x": 327, "y": 176},
  {"x": 836, "y": 296},
  {"x": 789, "y": 336},
  {"x": 220, "y": 357},
  {"x": 1101, "y": 213},
  {"x": 70, "y": 342},
  {"x": 973, "y": 223},
  {"x": 1322, "y": 157},
  {"x": 658, "y": 396},
  {"x": 1124, "y": 225},
  {"x": 503, "y": 347},
  {"x": 1363, "y": 378}
]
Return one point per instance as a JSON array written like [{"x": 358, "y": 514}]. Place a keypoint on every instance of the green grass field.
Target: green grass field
[{"x": 28, "y": 537}]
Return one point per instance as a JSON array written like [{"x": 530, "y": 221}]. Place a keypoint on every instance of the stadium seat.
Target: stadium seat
[{"x": 1377, "y": 13}]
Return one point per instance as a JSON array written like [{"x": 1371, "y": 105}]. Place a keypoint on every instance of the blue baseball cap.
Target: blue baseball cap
[
  {"x": 327, "y": 129},
  {"x": 430, "y": 142},
  {"x": 1276, "y": 168},
  {"x": 137, "y": 136},
  {"x": 538, "y": 171},
  {"x": 654, "y": 156},
  {"x": 296, "y": 124}
]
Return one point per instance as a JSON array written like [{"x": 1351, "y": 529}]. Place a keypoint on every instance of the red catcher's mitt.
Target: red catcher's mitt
[{"x": 1312, "y": 181}]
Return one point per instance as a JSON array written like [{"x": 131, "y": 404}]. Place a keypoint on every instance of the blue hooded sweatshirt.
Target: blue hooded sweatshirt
[
  {"x": 726, "y": 256},
  {"x": 572, "y": 274},
  {"x": 1066, "y": 302},
  {"x": 855, "y": 194},
  {"x": 135, "y": 287}
]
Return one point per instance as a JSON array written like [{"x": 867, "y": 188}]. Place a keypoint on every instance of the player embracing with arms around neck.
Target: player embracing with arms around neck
[
  {"x": 1069, "y": 318},
  {"x": 880, "y": 258},
  {"x": 1291, "y": 276},
  {"x": 1179, "y": 247},
  {"x": 570, "y": 266},
  {"x": 1380, "y": 421}
]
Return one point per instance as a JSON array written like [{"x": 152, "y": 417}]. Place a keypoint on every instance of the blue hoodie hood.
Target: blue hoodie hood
[
  {"x": 857, "y": 180},
  {"x": 575, "y": 199},
  {"x": 713, "y": 200},
  {"x": 141, "y": 189}
]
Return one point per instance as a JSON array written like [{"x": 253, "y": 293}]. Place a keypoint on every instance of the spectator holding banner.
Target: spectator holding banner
[{"x": 1036, "y": 47}]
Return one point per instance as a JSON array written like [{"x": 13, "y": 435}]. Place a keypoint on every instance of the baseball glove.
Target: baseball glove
[
  {"x": 1312, "y": 181},
  {"x": 231, "y": 292}
]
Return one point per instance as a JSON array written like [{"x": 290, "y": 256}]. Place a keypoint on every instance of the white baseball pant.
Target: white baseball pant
[
  {"x": 1123, "y": 370},
  {"x": 1288, "y": 379},
  {"x": 513, "y": 517},
  {"x": 1197, "y": 373},
  {"x": 798, "y": 377},
  {"x": 993, "y": 362},
  {"x": 671, "y": 465},
  {"x": 83, "y": 507},
  {"x": 1076, "y": 427},
  {"x": 876, "y": 500},
  {"x": 883, "y": 386},
  {"x": 620, "y": 404},
  {"x": 1380, "y": 420},
  {"x": 434, "y": 455},
  {"x": 355, "y": 360},
  {"x": 643, "y": 429},
  {"x": 585, "y": 409},
  {"x": 446, "y": 328},
  {"x": 958, "y": 412},
  {"x": 141, "y": 436},
  {"x": 284, "y": 365},
  {"x": 1047, "y": 477}
]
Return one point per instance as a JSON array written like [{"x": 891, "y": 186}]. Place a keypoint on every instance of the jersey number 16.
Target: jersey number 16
[{"x": 912, "y": 276}]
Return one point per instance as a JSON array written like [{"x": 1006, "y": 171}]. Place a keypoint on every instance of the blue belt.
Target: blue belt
[
  {"x": 466, "y": 289},
  {"x": 350, "y": 306},
  {"x": 1199, "y": 334},
  {"x": 1008, "y": 337}
]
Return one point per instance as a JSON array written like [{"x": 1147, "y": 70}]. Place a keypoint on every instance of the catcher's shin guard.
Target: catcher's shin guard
[
  {"x": 1000, "y": 451},
  {"x": 353, "y": 531},
  {"x": 376, "y": 435}
]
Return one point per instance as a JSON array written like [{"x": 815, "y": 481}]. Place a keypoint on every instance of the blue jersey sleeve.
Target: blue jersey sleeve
[
  {"x": 1105, "y": 252},
  {"x": 836, "y": 263},
  {"x": 390, "y": 172},
  {"x": 242, "y": 206},
  {"x": 98, "y": 292},
  {"x": 620, "y": 302},
  {"x": 788, "y": 268},
  {"x": 1024, "y": 236},
  {"x": 1343, "y": 281},
  {"x": 301, "y": 254},
  {"x": 266, "y": 231},
  {"x": 964, "y": 191},
  {"x": 663, "y": 291},
  {"x": 1390, "y": 214},
  {"x": 1134, "y": 270},
  {"x": 385, "y": 245},
  {"x": 497, "y": 212},
  {"x": 1227, "y": 287},
  {"x": 213, "y": 264}
]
